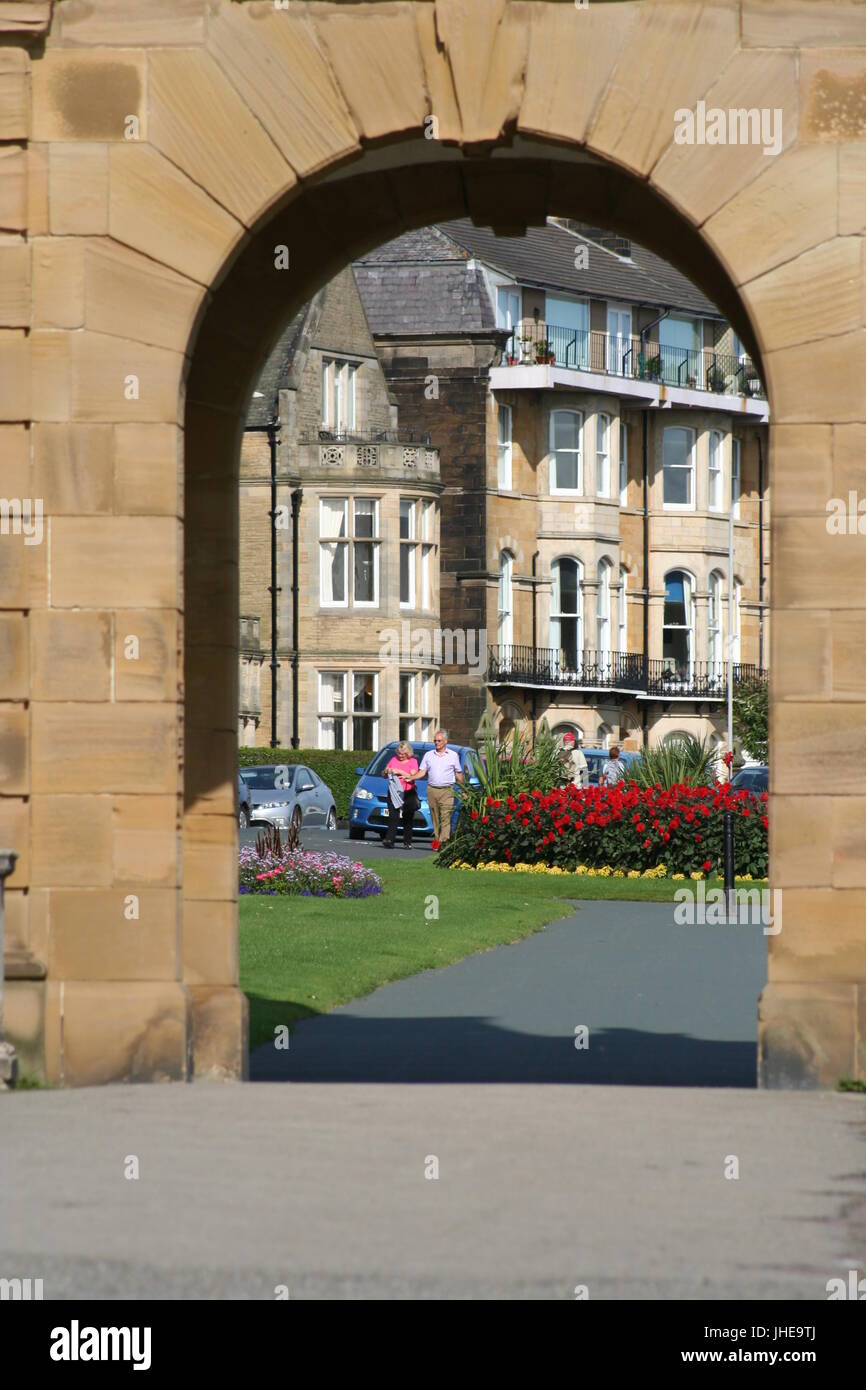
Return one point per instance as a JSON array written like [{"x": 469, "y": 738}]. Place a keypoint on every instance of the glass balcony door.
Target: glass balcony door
[{"x": 618, "y": 339}]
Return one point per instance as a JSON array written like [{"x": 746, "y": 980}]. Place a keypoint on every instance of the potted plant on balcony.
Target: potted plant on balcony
[
  {"x": 654, "y": 367},
  {"x": 716, "y": 380},
  {"x": 544, "y": 354},
  {"x": 691, "y": 382}
]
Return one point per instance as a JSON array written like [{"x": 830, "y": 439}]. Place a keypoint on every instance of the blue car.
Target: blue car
[
  {"x": 368, "y": 804},
  {"x": 596, "y": 759}
]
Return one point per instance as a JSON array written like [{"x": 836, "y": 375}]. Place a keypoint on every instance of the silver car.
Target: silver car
[{"x": 289, "y": 794}]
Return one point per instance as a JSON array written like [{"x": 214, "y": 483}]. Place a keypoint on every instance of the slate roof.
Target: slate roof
[
  {"x": 275, "y": 373},
  {"x": 422, "y": 282}
]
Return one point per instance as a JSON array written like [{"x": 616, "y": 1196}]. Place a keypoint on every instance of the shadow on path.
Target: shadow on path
[{"x": 341, "y": 1047}]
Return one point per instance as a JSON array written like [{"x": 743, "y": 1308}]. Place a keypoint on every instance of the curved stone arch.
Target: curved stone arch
[
  {"x": 261, "y": 130},
  {"x": 503, "y": 543}
]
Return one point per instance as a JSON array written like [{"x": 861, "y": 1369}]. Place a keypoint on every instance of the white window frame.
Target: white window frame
[
  {"x": 714, "y": 619},
  {"x": 555, "y": 489},
  {"x": 736, "y": 476},
  {"x": 602, "y": 455},
  {"x": 408, "y": 710},
  {"x": 373, "y": 717},
  {"x": 335, "y": 717},
  {"x": 410, "y": 543},
  {"x": 690, "y": 469},
  {"x": 622, "y": 637},
  {"x": 324, "y": 542},
  {"x": 505, "y": 610},
  {"x": 556, "y": 611},
  {"x": 602, "y": 613},
  {"x": 327, "y": 366},
  {"x": 689, "y": 625},
  {"x": 623, "y": 463},
  {"x": 715, "y": 472},
  {"x": 366, "y": 540},
  {"x": 504, "y": 447}
]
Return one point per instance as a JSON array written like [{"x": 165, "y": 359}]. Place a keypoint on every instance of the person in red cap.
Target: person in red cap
[{"x": 578, "y": 770}]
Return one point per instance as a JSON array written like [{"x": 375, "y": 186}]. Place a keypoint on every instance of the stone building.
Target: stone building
[
  {"x": 352, "y": 654},
  {"x": 597, "y": 417}
]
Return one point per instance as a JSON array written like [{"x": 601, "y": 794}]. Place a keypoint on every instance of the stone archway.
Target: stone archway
[{"x": 144, "y": 293}]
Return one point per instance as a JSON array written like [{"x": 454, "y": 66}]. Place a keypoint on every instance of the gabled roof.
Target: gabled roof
[
  {"x": 426, "y": 281},
  {"x": 423, "y": 282},
  {"x": 275, "y": 372},
  {"x": 545, "y": 257}
]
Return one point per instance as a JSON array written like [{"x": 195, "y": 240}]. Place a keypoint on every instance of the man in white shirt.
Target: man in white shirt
[{"x": 578, "y": 769}]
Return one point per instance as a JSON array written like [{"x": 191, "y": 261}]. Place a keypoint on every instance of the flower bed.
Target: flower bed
[
  {"x": 305, "y": 875},
  {"x": 625, "y": 827}
]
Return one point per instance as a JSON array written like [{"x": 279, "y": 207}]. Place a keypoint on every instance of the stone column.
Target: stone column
[{"x": 8, "y": 1060}]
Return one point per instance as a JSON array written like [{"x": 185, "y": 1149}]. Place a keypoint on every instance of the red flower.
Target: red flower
[
  {"x": 646, "y": 844},
  {"x": 707, "y": 865},
  {"x": 434, "y": 844},
  {"x": 484, "y": 820},
  {"x": 474, "y": 815},
  {"x": 728, "y": 758},
  {"x": 697, "y": 839}
]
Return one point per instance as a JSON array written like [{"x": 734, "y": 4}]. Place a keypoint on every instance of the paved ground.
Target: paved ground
[
  {"x": 367, "y": 849},
  {"x": 322, "y": 1187},
  {"x": 665, "y": 1005},
  {"x": 540, "y": 1188}
]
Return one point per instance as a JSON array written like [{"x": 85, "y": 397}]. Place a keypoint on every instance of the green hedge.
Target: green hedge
[{"x": 337, "y": 769}]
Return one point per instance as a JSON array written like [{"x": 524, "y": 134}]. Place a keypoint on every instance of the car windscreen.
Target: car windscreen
[
  {"x": 381, "y": 760},
  {"x": 263, "y": 779}
]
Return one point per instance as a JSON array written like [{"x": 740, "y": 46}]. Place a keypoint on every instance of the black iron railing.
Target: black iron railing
[
  {"x": 399, "y": 436},
  {"x": 623, "y": 671},
  {"x": 700, "y": 369}
]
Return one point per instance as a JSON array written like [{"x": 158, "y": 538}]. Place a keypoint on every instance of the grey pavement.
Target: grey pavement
[
  {"x": 368, "y": 849},
  {"x": 323, "y": 1188},
  {"x": 665, "y": 1005}
]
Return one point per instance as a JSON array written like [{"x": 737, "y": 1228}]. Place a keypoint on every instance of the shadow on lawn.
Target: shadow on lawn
[{"x": 342, "y": 1047}]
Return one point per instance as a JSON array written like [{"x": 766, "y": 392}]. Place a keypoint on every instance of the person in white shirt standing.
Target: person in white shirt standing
[
  {"x": 441, "y": 766},
  {"x": 578, "y": 769}
]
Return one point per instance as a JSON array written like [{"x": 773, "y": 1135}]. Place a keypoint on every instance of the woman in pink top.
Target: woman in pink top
[{"x": 401, "y": 771}]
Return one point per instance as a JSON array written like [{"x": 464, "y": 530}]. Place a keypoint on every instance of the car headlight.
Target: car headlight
[
  {"x": 270, "y": 805},
  {"x": 361, "y": 794}
]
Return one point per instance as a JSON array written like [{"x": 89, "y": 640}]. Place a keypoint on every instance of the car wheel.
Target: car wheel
[
  {"x": 331, "y": 822},
  {"x": 355, "y": 833},
  {"x": 243, "y": 818}
]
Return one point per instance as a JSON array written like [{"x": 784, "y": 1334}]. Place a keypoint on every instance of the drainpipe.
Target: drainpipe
[
  {"x": 273, "y": 589},
  {"x": 534, "y": 642},
  {"x": 760, "y": 546},
  {"x": 8, "y": 1059},
  {"x": 297, "y": 495},
  {"x": 646, "y": 576}
]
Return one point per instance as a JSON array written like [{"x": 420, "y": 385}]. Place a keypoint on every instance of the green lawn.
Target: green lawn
[{"x": 302, "y": 956}]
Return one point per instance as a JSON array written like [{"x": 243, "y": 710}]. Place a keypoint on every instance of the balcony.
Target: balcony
[
  {"x": 629, "y": 673},
  {"x": 385, "y": 453},
  {"x": 631, "y": 360}
]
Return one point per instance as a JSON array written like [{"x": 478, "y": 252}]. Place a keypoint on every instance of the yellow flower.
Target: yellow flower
[
  {"x": 634, "y": 873},
  {"x": 678, "y": 876}
]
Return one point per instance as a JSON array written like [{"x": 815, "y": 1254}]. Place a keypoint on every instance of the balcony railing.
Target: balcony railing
[
  {"x": 628, "y": 672},
  {"x": 588, "y": 350}
]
